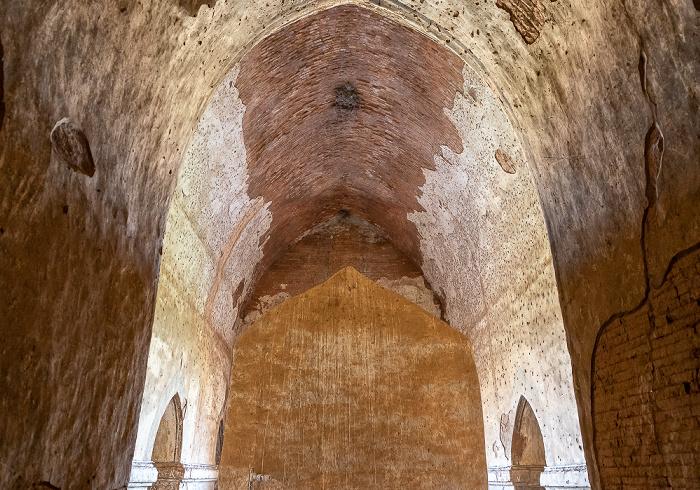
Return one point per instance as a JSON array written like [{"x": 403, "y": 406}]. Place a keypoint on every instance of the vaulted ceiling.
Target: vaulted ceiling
[{"x": 535, "y": 161}]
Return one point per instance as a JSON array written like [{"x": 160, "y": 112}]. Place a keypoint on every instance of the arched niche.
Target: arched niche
[
  {"x": 527, "y": 448},
  {"x": 167, "y": 447},
  {"x": 350, "y": 385}
]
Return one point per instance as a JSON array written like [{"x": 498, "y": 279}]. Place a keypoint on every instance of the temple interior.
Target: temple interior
[{"x": 350, "y": 244}]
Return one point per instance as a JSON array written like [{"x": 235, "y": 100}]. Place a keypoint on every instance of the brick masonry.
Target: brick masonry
[{"x": 646, "y": 392}]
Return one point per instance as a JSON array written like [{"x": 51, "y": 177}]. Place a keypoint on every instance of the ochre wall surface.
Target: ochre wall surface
[
  {"x": 646, "y": 387},
  {"x": 350, "y": 385}
]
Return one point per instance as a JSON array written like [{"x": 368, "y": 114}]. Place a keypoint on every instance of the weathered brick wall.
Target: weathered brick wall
[{"x": 646, "y": 392}]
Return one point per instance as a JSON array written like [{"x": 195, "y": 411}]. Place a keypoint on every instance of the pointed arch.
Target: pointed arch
[
  {"x": 527, "y": 447},
  {"x": 167, "y": 447}
]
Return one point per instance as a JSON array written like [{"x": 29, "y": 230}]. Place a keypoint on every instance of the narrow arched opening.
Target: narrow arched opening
[
  {"x": 527, "y": 448},
  {"x": 219, "y": 443},
  {"x": 167, "y": 446}
]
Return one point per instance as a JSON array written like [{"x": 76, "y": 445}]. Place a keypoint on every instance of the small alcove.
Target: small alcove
[{"x": 527, "y": 448}]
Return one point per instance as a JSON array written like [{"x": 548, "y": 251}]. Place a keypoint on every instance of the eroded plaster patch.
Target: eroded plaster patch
[
  {"x": 413, "y": 289},
  {"x": 264, "y": 304}
]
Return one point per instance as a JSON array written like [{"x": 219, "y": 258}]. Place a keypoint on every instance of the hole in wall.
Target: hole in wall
[
  {"x": 347, "y": 99},
  {"x": 72, "y": 147},
  {"x": 192, "y": 6}
]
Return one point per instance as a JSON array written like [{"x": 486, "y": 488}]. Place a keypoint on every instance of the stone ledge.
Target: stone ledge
[
  {"x": 563, "y": 477},
  {"x": 145, "y": 473}
]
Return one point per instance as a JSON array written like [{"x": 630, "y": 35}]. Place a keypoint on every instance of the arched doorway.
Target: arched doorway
[{"x": 527, "y": 448}]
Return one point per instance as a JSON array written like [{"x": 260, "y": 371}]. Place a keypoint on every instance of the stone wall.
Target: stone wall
[{"x": 646, "y": 387}]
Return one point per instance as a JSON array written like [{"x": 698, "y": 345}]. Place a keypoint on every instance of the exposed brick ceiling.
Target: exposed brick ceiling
[{"x": 344, "y": 110}]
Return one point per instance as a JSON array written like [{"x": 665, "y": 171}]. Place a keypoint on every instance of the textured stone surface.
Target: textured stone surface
[
  {"x": 211, "y": 247},
  {"x": 72, "y": 147},
  {"x": 499, "y": 288},
  {"x": 350, "y": 385},
  {"x": 2, "y": 87},
  {"x": 528, "y": 17},
  {"x": 646, "y": 390}
]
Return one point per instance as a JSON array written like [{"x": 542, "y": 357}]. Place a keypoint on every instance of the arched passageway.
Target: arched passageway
[
  {"x": 546, "y": 209},
  {"x": 422, "y": 183}
]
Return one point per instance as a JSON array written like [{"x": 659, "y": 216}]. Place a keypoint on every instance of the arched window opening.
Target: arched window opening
[
  {"x": 527, "y": 448},
  {"x": 168, "y": 443}
]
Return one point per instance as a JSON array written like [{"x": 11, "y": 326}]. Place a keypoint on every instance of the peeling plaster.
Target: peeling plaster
[
  {"x": 214, "y": 239},
  {"x": 485, "y": 247},
  {"x": 414, "y": 290}
]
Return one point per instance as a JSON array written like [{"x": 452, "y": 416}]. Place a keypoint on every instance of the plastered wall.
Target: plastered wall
[
  {"x": 349, "y": 385},
  {"x": 491, "y": 263},
  {"x": 211, "y": 246}
]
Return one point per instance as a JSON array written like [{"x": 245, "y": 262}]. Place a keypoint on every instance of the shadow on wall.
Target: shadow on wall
[
  {"x": 192, "y": 6},
  {"x": 527, "y": 449},
  {"x": 219, "y": 443}
]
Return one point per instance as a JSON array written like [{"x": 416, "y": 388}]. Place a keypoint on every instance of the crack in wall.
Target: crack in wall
[
  {"x": 2, "y": 84},
  {"x": 656, "y": 375},
  {"x": 653, "y": 160}
]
